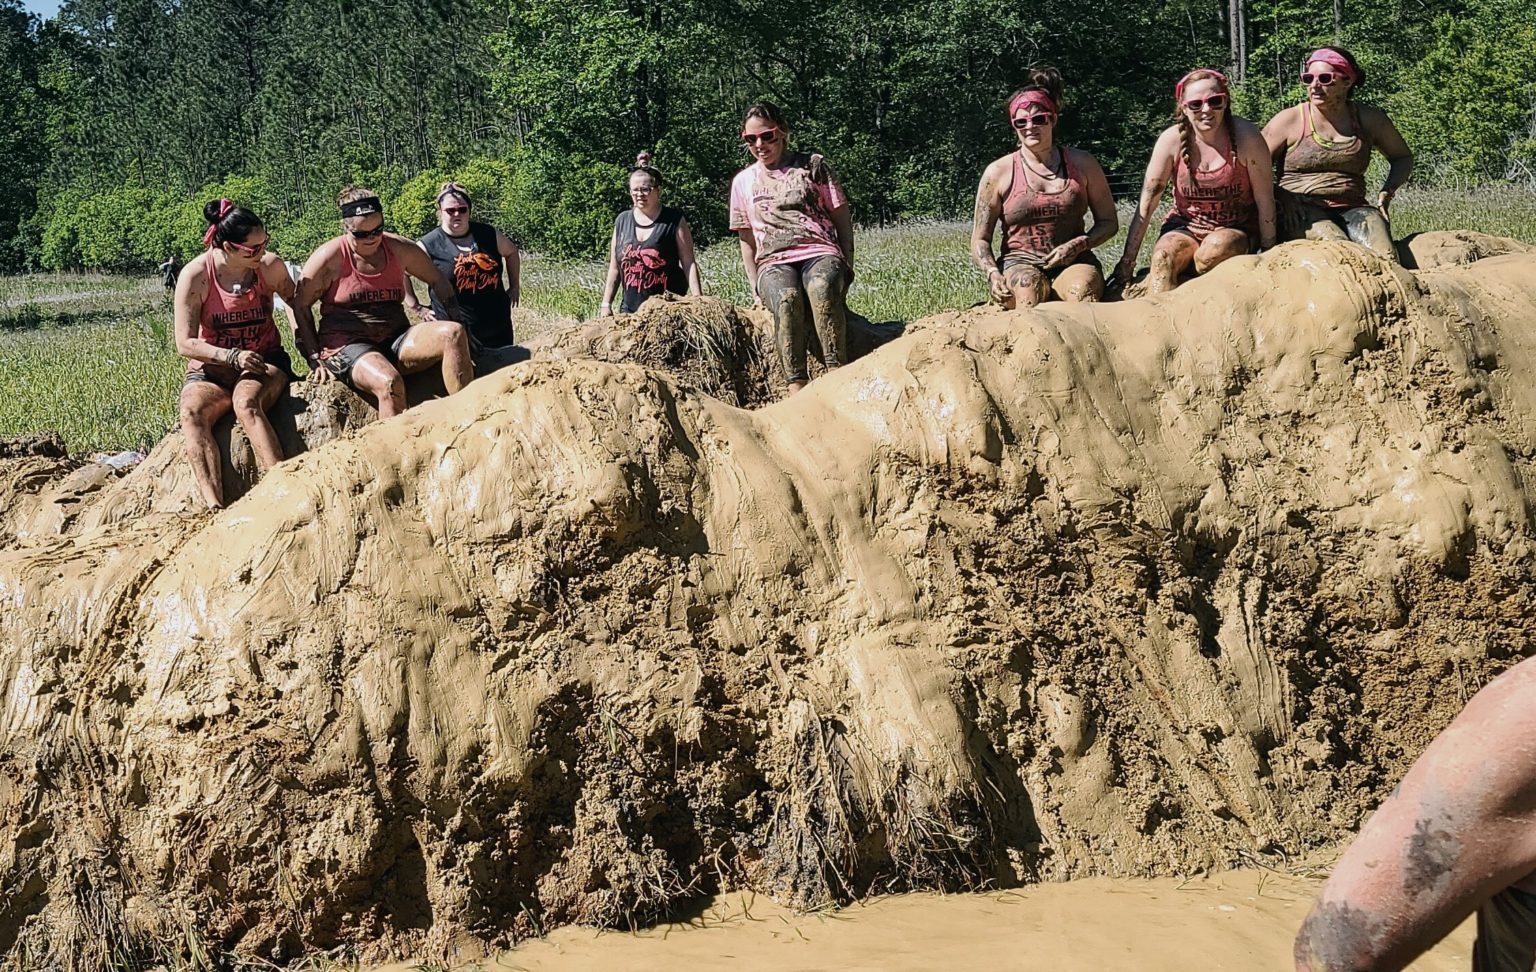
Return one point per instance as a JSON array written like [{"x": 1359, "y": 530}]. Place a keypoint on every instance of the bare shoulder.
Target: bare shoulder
[
  {"x": 1283, "y": 118},
  {"x": 1084, "y": 162},
  {"x": 1169, "y": 140}
]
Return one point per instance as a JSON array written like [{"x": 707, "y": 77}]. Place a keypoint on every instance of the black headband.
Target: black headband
[{"x": 361, "y": 207}]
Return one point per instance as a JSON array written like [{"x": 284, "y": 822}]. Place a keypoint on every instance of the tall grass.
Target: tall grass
[{"x": 91, "y": 356}]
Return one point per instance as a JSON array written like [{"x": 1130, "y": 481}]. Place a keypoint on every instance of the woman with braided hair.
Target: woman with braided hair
[
  {"x": 1223, "y": 200},
  {"x": 224, "y": 328},
  {"x": 1324, "y": 147},
  {"x": 1041, "y": 194}
]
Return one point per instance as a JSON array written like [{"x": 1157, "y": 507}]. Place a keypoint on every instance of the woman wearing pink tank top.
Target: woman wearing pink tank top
[
  {"x": 224, "y": 328},
  {"x": 364, "y": 337},
  {"x": 1223, "y": 200},
  {"x": 1041, "y": 194},
  {"x": 1324, "y": 147}
]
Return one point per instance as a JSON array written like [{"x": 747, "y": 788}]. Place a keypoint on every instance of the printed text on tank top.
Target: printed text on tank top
[
  {"x": 237, "y": 316},
  {"x": 1037, "y": 220},
  {"x": 1216, "y": 198},
  {"x": 386, "y": 289},
  {"x": 363, "y": 306}
]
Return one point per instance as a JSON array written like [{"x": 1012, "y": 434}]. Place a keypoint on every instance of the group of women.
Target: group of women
[{"x": 795, "y": 230}]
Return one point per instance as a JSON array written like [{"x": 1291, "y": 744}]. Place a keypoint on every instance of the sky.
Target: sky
[{"x": 43, "y": 8}]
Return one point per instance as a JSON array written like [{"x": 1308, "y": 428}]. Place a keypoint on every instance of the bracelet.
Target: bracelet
[{"x": 232, "y": 357}]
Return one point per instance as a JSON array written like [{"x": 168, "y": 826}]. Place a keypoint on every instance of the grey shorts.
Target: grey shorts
[
  {"x": 341, "y": 361},
  {"x": 227, "y": 377}
]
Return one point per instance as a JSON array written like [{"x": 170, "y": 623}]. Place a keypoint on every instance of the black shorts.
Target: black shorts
[
  {"x": 341, "y": 361},
  {"x": 227, "y": 377},
  {"x": 1176, "y": 223}
]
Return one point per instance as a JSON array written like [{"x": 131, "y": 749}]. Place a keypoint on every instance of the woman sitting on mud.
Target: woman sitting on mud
[
  {"x": 796, "y": 235},
  {"x": 224, "y": 328},
  {"x": 1223, "y": 197},
  {"x": 1324, "y": 145},
  {"x": 1041, "y": 194},
  {"x": 652, "y": 246},
  {"x": 365, "y": 338},
  {"x": 471, "y": 254}
]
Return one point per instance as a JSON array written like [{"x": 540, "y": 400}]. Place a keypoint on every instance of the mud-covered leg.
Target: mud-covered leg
[
  {"x": 826, "y": 289},
  {"x": 1079, "y": 283},
  {"x": 1170, "y": 258},
  {"x": 1221, "y": 246},
  {"x": 1029, "y": 284},
  {"x": 1366, "y": 226},
  {"x": 784, "y": 297},
  {"x": 203, "y": 403}
]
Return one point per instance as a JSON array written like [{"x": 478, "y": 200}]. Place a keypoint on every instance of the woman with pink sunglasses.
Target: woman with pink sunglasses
[
  {"x": 796, "y": 235},
  {"x": 1324, "y": 145},
  {"x": 1041, "y": 193},
  {"x": 224, "y": 328},
  {"x": 1223, "y": 196}
]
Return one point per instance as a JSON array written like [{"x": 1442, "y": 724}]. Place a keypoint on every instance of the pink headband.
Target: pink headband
[
  {"x": 1217, "y": 76},
  {"x": 224, "y": 207},
  {"x": 1330, "y": 56},
  {"x": 1035, "y": 97}
]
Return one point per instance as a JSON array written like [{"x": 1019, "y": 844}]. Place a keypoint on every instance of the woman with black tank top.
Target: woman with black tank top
[
  {"x": 1324, "y": 146},
  {"x": 652, "y": 247},
  {"x": 1041, "y": 195},
  {"x": 471, "y": 254}
]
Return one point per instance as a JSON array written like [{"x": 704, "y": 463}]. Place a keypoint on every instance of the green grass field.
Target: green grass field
[{"x": 91, "y": 356}]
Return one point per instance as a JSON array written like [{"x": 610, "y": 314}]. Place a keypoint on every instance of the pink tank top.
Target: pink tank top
[
  {"x": 1219, "y": 199},
  {"x": 243, "y": 320},
  {"x": 1036, "y": 222},
  {"x": 363, "y": 307}
]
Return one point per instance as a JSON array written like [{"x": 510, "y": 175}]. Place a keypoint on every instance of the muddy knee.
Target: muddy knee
[{"x": 1220, "y": 246}]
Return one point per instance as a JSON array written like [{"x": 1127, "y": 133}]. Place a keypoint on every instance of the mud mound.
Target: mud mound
[
  {"x": 1125, "y": 588},
  {"x": 1453, "y": 248}
]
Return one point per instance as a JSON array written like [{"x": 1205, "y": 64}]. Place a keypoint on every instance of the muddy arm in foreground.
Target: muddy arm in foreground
[{"x": 1458, "y": 835}]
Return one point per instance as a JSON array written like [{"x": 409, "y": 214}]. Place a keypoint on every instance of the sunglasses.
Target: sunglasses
[
  {"x": 1214, "y": 102},
  {"x": 367, "y": 234},
  {"x": 1033, "y": 121},
  {"x": 767, "y": 136},
  {"x": 249, "y": 251},
  {"x": 453, "y": 211},
  {"x": 1325, "y": 79}
]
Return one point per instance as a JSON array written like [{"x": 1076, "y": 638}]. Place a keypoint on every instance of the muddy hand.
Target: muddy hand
[
  {"x": 251, "y": 361},
  {"x": 997, "y": 285},
  {"x": 1064, "y": 254}
]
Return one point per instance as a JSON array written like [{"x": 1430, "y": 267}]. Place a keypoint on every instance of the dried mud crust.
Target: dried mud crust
[{"x": 1124, "y": 589}]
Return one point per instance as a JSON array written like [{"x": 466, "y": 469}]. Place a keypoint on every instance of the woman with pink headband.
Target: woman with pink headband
[
  {"x": 1223, "y": 197},
  {"x": 1325, "y": 145},
  {"x": 1041, "y": 194}
]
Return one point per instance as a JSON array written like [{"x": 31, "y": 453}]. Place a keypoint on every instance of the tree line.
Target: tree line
[{"x": 118, "y": 118}]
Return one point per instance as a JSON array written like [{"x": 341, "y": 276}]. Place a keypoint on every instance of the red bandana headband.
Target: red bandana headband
[
  {"x": 1217, "y": 76},
  {"x": 1332, "y": 58},
  {"x": 224, "y": 207},
  {"x": 1035, "y": 97}
]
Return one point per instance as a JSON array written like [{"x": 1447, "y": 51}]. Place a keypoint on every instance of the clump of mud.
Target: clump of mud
[{"x": 1127, "y": 588}]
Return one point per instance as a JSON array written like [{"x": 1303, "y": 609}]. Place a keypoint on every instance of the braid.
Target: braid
[{"x": 1186, "y": 145}]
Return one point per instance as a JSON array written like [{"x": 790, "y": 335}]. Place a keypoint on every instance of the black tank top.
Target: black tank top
[
  {"x": 650, "y": 266},
  {"x": 474, "y": 265}
]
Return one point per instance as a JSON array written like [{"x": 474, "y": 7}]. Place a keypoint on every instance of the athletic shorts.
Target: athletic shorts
[
  {"x": 1176, "y": 223},
  {"x": 341, "y": 361},
  {"x": 227, "y": 377},
  {"x": 1014, "y": 261}
]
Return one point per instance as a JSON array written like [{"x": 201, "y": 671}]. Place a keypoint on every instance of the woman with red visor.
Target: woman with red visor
[
  {"x": 1223, "y": 196},
  {"x": 1041, "y": 194},
  {"x": 1325, "y": 146}
]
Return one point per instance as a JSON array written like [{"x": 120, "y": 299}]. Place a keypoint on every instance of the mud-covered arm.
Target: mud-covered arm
[
  {"x": 318, "y": 274},
  {"x": 414, "y": 260},
  {"x": 842, "y": 221},
  {"x": 611, "y": 283},
  {"x": 191, "y": 288},
  {"x": 984, "y": 218},
  {"x": 688, "y": 259},
  {"x": 1153, "y": 185},
  {"x": 749, "y": 258},
  {"x": 1101, "y": 202},
  {"x": 1459, "y": 828},
  {"x": 1253, "y": 153},
  {"x": 513, "y": 258},
  {"x": 1390, "y": 143},
  {"x": 412, "y": 301}
]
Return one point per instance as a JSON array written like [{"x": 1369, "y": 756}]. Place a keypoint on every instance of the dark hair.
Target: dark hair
[
  {"x": 768, "y": 112},
  {"x": 643, "y": 164},
  {"x": 1186, "y": 130},
  {"x": 451, "y": 188},
  {"x": 233, "y": 226},
  {"x": 1354, "y": 66},
  {"x": 1042, "y": 78}
]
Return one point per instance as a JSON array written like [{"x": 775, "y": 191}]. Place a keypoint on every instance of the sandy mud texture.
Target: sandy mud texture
[{"x": 1123, "y": 589}]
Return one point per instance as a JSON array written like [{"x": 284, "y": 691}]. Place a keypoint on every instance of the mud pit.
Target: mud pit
[{"x": 1123, "y": 589}]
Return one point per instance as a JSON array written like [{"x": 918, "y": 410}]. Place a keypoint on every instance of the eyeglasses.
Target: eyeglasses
[
  {"x": 1325, "y": 79},
  {"x": 367, "y": 234},
  {"x": 1214, "y": 102},
  {"x": 1033, "y": 121},
  {"x": 451, "y": 211},
  {"x": 642, "y": 190},
  {"x": 249, "y": 251},
  {"x": 767, "y": 137}
]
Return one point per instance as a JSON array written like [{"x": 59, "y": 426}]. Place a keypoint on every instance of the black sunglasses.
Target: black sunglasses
[{"x": 367, "y": 234}]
